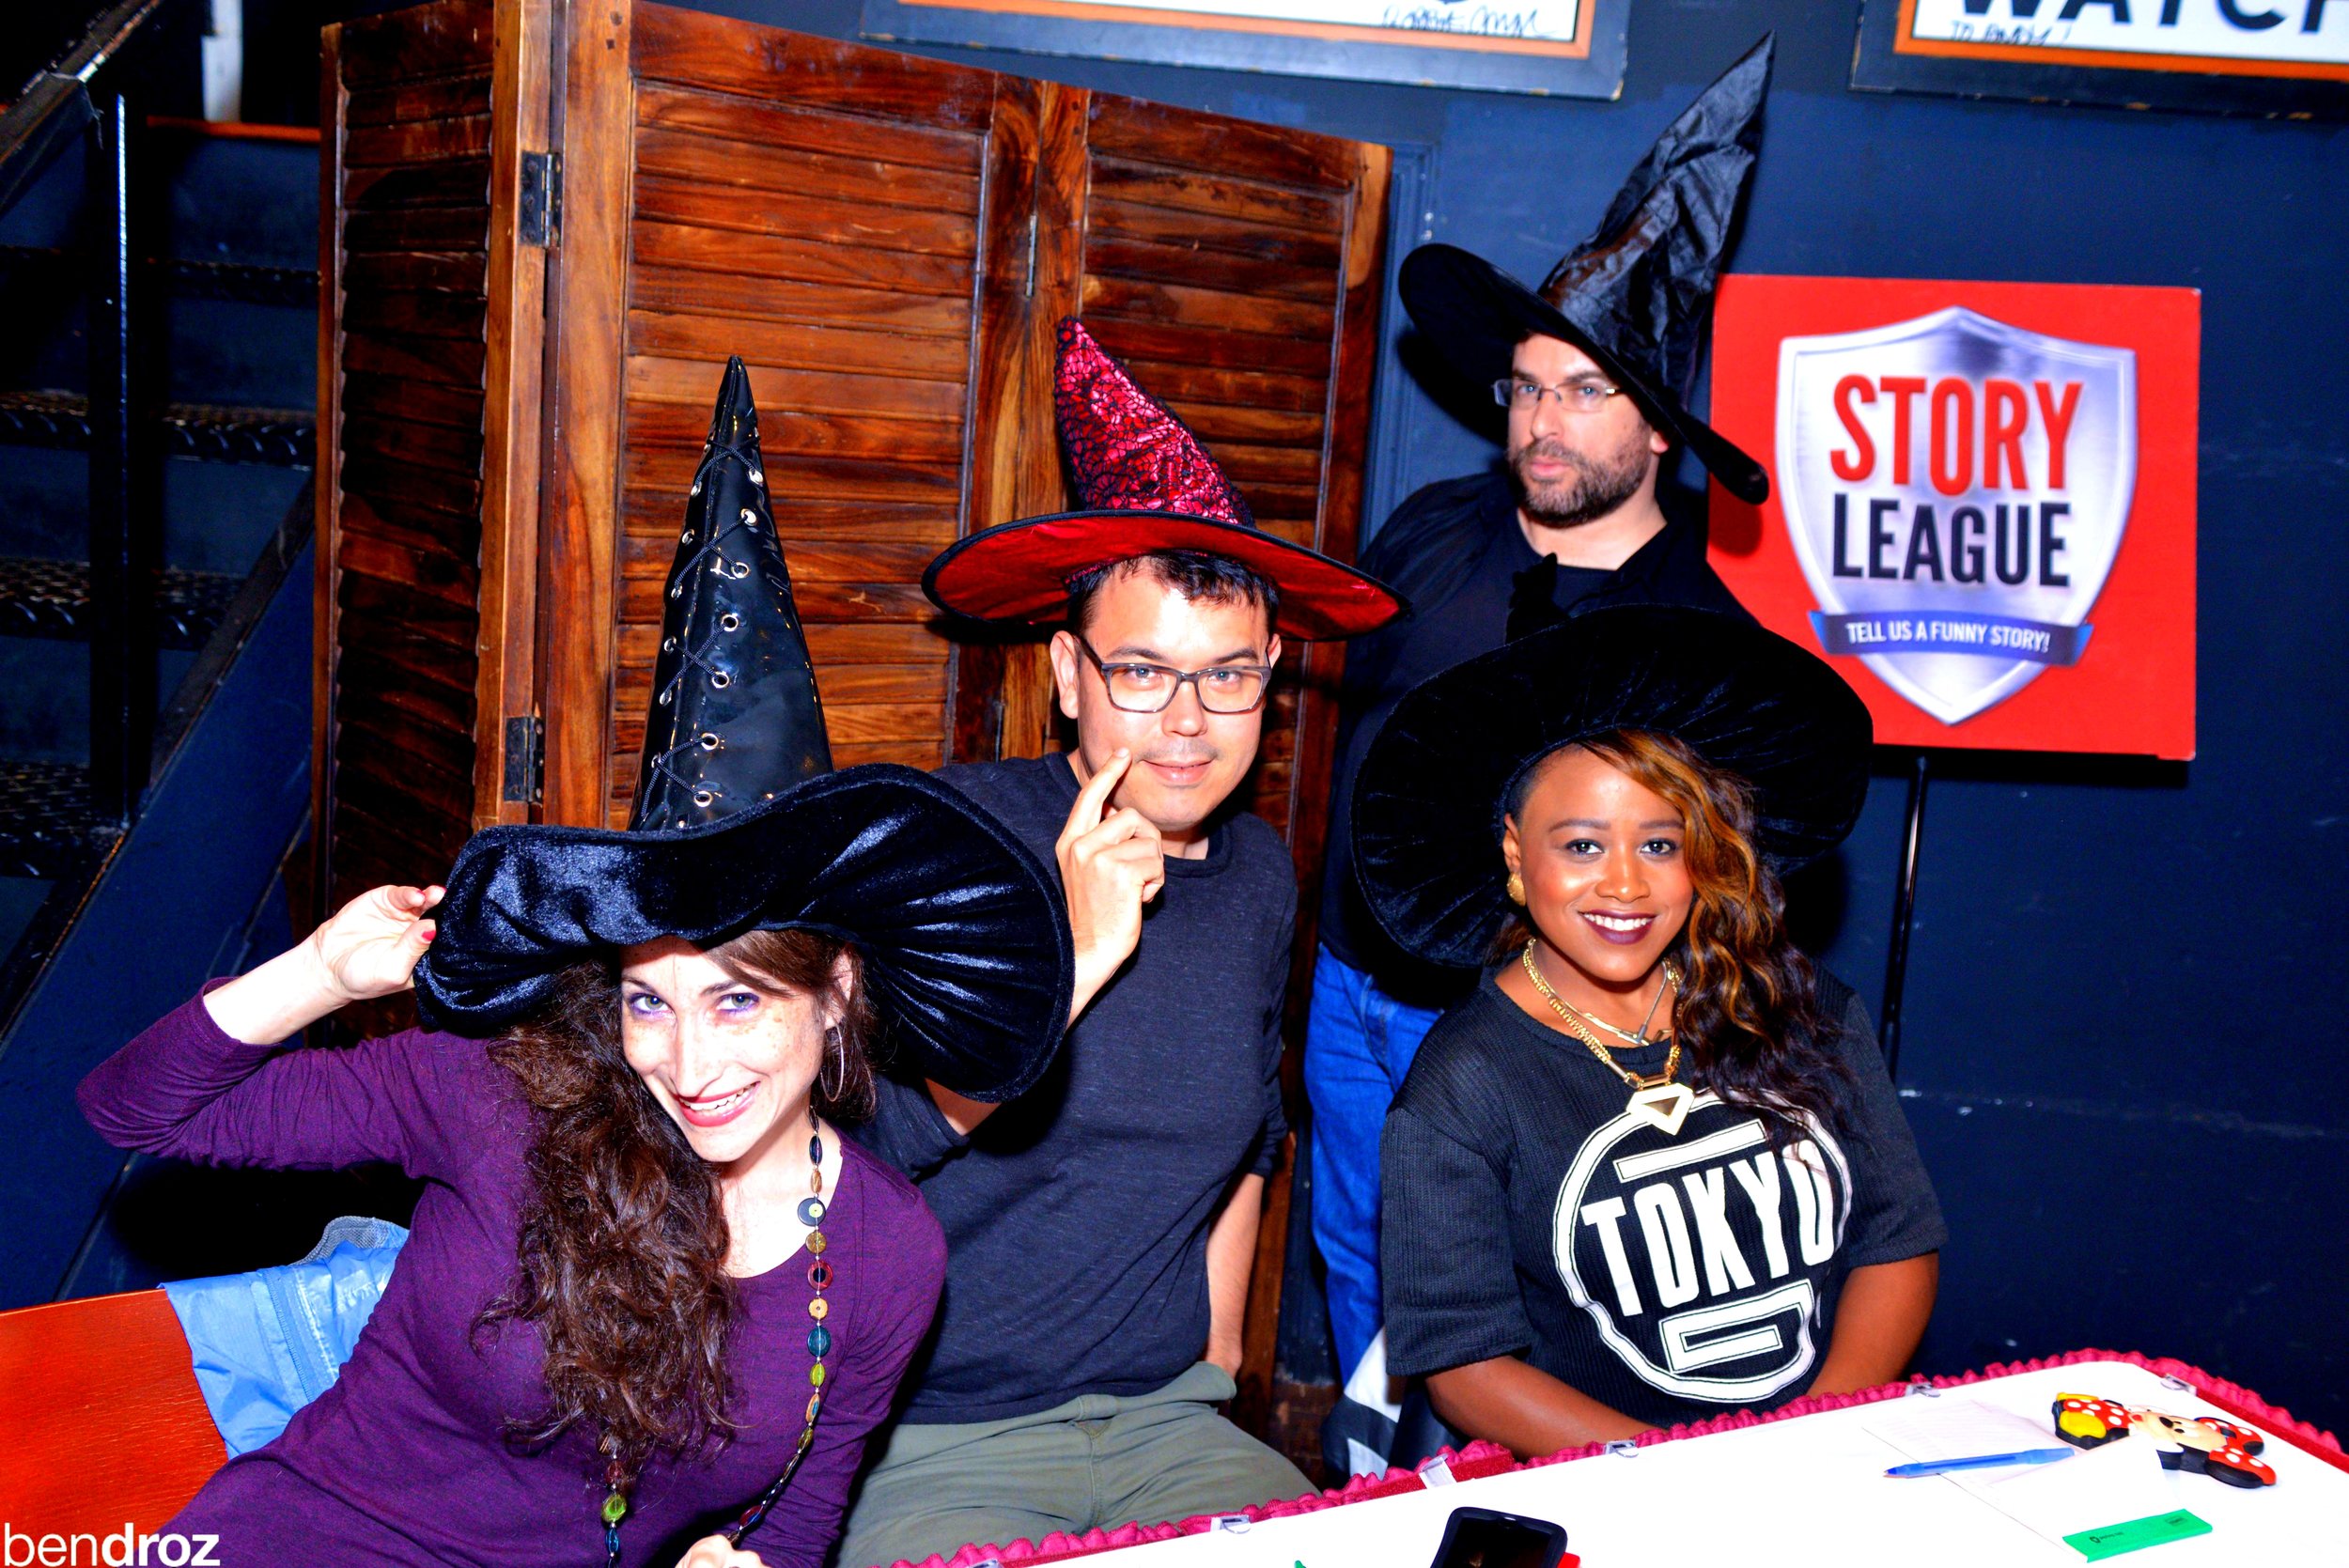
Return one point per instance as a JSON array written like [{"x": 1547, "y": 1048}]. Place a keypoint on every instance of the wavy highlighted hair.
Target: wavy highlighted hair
[
  {"x": 623, "y": 1245},
  {"x": 1747, "y": 1018}
]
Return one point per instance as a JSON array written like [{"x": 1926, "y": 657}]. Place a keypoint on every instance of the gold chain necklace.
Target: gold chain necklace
[{"x": 1655, "y": 1097}]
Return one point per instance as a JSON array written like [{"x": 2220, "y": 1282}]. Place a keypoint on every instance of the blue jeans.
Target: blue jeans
[{"x": 1358, "y": 1043}]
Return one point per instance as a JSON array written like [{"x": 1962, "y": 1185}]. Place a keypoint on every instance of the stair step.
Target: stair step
[
  {"x": 51, "y": 599},
  {"x": 46, "y": 826},
  {"x": 189, "y": 280},
  {"x": 214, "y": 432}
]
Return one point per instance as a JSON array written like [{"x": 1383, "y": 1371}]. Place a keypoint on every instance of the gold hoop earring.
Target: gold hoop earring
[
  {"x": 835, "y": 1055},
  {"x": 1517, "y": 888}
]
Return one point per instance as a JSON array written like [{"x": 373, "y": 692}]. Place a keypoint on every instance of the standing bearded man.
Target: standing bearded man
[
  {"x": 1593, "y": 370},
  {"x": 1100, "y": 1226}
]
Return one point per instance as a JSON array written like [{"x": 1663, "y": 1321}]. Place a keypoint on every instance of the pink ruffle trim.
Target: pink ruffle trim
[{"x": 1482, "y": 1459}]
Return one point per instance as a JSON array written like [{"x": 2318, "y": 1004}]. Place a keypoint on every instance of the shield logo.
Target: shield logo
[{"x": 1955, "y": 489}]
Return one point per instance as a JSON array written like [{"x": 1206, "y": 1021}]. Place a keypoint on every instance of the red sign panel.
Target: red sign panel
[{"x": 1982, "y": 501}]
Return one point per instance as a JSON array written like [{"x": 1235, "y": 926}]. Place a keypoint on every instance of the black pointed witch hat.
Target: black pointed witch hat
[
  {"x": 735, "y": 717},
  {"x": 1634, "y": 295},
  {"x": 740, "y": 824}
]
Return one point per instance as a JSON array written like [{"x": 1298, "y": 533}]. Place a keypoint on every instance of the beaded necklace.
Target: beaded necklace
[{"x": 818, "y": 1346}]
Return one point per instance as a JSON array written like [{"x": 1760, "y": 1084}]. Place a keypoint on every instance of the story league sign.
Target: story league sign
[{"x": 1982, "y": 501}]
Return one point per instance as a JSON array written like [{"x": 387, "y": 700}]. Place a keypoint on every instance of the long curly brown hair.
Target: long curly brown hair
[
  {"x": 1747, "y": 1017},
  {"x": 623, "y": 1243}
]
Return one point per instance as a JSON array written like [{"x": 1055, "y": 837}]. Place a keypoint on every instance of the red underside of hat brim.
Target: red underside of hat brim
[{"x": 1020, "y": 572}]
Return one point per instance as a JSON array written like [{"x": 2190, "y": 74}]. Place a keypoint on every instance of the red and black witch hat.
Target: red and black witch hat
[{"x": 1144, "y": 483}]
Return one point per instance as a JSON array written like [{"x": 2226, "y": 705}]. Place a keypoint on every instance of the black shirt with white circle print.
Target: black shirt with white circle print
[{"x": 1672, "y": 1278}]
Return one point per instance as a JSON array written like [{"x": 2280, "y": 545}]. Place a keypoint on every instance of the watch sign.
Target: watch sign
[{"x": 1982, "y": 501}]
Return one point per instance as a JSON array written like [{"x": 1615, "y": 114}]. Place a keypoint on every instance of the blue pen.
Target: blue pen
[{"x": 1981, "y": 1462}]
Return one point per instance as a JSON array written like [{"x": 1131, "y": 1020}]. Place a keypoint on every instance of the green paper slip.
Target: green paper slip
[{"x": 2154, "y": 1530}]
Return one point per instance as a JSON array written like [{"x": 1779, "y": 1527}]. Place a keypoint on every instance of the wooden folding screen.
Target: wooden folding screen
[{"x": 551, "y": 226}]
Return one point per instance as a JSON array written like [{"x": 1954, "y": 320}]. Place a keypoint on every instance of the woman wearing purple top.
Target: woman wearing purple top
[{"x": 652, "y": 1303}]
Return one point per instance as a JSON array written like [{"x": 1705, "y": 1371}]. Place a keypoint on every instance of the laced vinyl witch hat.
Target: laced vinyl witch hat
[
  {"x": 1429, "y": 799},
  {"x": 740, "y": 823},
  {"x": 1634, "y": 296},
  {"x": 1144, "y": 482}
]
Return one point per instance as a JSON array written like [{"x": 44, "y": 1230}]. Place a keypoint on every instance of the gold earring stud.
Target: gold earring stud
[{"x": 1517, "y": 888}]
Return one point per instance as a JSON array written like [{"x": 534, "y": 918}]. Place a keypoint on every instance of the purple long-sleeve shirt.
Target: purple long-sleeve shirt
[{"x": 404, "y": 1460}]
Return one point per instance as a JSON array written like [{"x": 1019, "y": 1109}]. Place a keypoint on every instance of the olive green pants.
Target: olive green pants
[{"x": 1097, "y": 1461}]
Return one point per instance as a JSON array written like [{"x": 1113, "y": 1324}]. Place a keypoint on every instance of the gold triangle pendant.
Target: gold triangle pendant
[{"x": 1664, "y": 1104}]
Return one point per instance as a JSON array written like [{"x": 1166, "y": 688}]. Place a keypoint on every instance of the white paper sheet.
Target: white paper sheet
[{"x": 2108, "y": 1486}]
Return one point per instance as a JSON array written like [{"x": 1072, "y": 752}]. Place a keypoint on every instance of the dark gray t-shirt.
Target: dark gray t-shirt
[
  {"x": 1076, "y": 1217},
  {"x": 1670, "y": 1278}
]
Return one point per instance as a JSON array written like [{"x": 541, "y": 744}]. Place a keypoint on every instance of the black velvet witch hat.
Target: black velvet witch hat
[
  {"x": 1634, "y": 295},
  {"x": 735, "y": 717},
  {"x": 740, "y": 824},
  {"x": 1429, "y": 799}
]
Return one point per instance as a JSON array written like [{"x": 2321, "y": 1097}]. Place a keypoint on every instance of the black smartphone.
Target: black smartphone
[{"x": 1486, "y": 1538}]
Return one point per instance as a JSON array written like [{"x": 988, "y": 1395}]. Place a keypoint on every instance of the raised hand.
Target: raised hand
[
  {"x": 371, "y": 946},
  {"x": 369, "y": 949},
  {"x": 1111, "y": 865}
]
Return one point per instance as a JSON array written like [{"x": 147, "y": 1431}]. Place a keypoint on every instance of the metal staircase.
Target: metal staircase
[{"x": 156, "y": 386}]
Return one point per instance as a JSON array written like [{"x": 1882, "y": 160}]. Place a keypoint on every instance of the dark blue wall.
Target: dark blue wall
[{"x": 2125, "y": 1047}]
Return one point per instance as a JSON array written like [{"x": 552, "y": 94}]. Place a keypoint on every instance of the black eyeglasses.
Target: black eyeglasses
[{"x": 1149, "y": 688}]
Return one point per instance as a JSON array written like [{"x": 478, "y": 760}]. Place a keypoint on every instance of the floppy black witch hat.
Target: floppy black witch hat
[
  {"x": 1428, "y": 801},
  {"x": 739, "y": 824},
  {"x": 1146, "y": 483},
  {"x": 1634, "y": 295}
]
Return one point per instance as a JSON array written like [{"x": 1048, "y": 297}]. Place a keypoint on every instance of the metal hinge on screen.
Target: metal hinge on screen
[
  {"x": 540, "y": 218},
  {"x": 526, "y": 761}
]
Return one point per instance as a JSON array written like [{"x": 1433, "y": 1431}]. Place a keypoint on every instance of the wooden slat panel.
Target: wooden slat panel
[
  {"x": 709, "y": 338},
  {"x": 1192, "y": 190},
  {"x": 418, "y": 313},
  {"x": 377, "y": 477},
  {"x": 397, "y": 517},
  {"x": 1112, "y": 218},
  {"x": 450, "y": 98},
  {"x": 1165, "y": 263},
  {"x": 780, "y": 256},
  {"x": 784, "y": 432},
  {"x": 459, "y": 182},
  {"x": 670, "y": 470},
  {"x": 764, "y": 122},
  {"x": 820, "y": 171},
  {"x": 656, "y": 288},
  {"x": 408, "y": 441},
  {"x": 389, "y": 397},
  {"x": 830, "y": 646},
  {"x": 426, "y": 573},
  {"x": 660, "y": 513},
  {"x": 1242, "y": 388},
  {"x": 718, "y": 53},
  {"x": 451, "y": 271},
  {"x": 1177, "y": 305},
  {"x": 1172, "y": 344},
  {"x": 443, "y": 39},
  {"x": 418, "y": 229},
  {"x": 1250, "y": 464},
  {"x": 1134, "y": 128},
  {"x": 810, "y": 561},
  {"x": 444, "y": 361},
  {"x": 1220, "y": 422},
  {"x": 639, "y": 602},
  {"x": 693, "y": 383},
  {"x": 415, "y": 141},
  {"x": 848, "y": 723},
  {"x": 808, "y": 218}
]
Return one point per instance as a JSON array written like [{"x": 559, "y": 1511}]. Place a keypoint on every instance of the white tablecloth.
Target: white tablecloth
[{"x": 1804, "y": 1493}]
